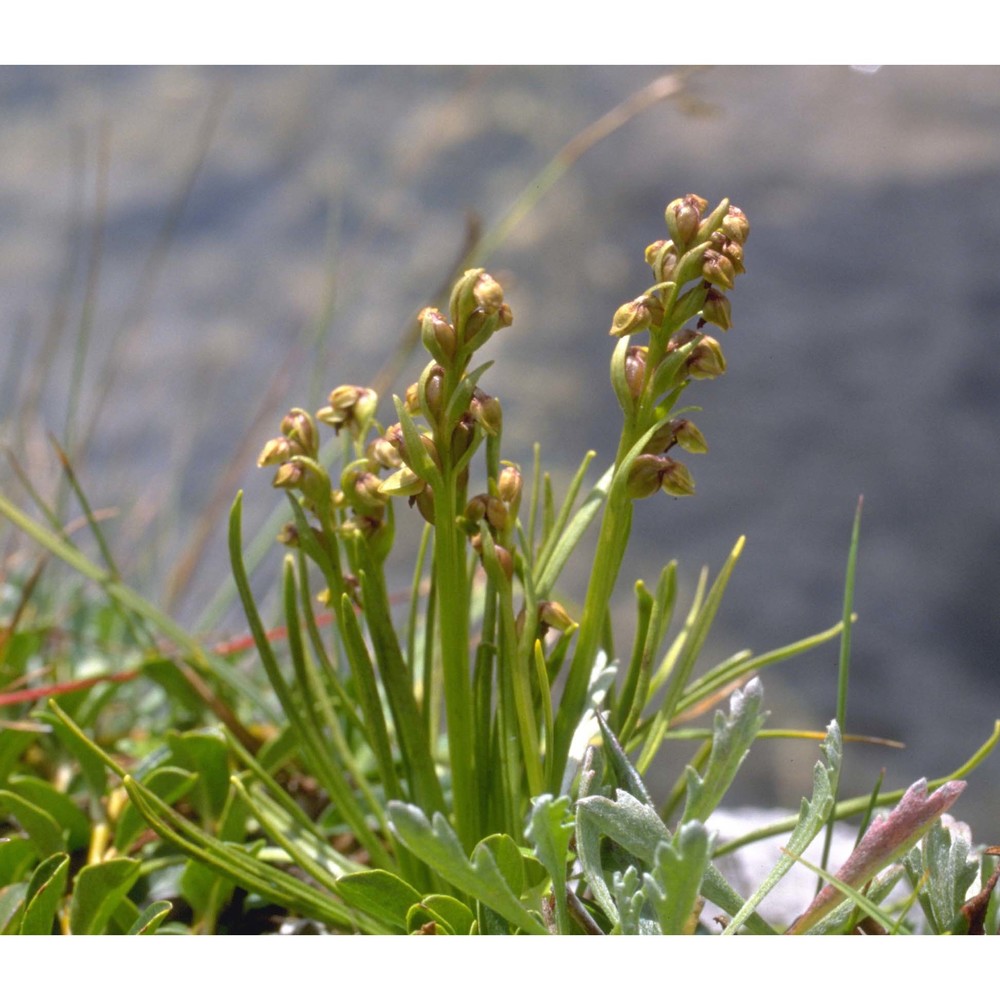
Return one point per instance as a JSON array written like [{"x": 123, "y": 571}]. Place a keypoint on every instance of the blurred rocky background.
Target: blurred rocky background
[{"x": 210, "y": 246}]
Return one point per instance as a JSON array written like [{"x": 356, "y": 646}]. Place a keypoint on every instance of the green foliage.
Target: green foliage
[{"x": 475, "y": 765}]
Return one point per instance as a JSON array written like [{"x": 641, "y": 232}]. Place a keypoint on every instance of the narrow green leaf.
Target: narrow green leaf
[
  {"x": 97, "y": 891},
  {"x": 812, "y": 815},
  {"x": 169, "y": 783},
  {"x": 151, "y": 918},
  {"x": 207, "y": 754},
  {"x": 45, "y": 892},
  {"x": 549, "y": 831},
  {"x": 44, "y": 832}
]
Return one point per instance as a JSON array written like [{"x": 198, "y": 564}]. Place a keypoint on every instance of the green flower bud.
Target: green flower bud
[
  {"x": 509, "y": 487},
  {"x": 488, "y": 294},
  {"x": 362, "y": 489},
  {"x": 289, "y": 535},
  {"x": 299, "y": 426},
  {"x": 707, "y": 359},
  {"x": 433, "y": 390},
  {"x": 735, "y": 225},
  {"x": 644, "y": 477},
  {"x": 683, "y": 217},
  {"x": 438, "y": 335},
  {"x": 734, "y": 251},
  {"x": 462, "y": 437},
  {"x": 717, "y": 309},
  {"x": 661, "y": 439},
  {"x": 301, "y": 473},
  {"x": 382, "y": 454},
  {"x": 675, "y": 479},
  {"x": 351, "y": 406},
  {"x": 505, "y": 317},
  {"x": 688, "y": 436},
  {"x": 717, "y": 269},
  {"x": 635, "y": 370},
  {"x": 278, "y": 450},
  {"x": 653, "y": 251},
  {"x": 553, "y": 614},
  {"x": 424, "y": 502},
  {"x": 485, "y": 507},
  {"x": 411, "y": 399},
  {"x": 631, "y": 318},
  {"x": 487, "y": 412}
]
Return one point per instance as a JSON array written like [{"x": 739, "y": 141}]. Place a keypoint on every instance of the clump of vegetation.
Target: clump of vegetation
[{"x": 474, "y": 761}]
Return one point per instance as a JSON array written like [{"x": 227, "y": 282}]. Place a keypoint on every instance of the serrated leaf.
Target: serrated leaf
[
  {"x": 672, "y": 885},
  {"x": 436, "y": 844},
  {"x": 380, "y": 893},
  {"x": 550, "y": 830},
  {"x": 151, "y": 918},
  {"x": 944, "y": 856},
  {"x": 630, "y": 897},
  {"x": 97, "y": 891},
  {"x": 628, "y": 822},
  {"x": 813, "y": 814},
  {"x": 45, "y": 892},
  {"x": 44, "y": 832},
  {"x": 731, "y": 740},
  {"x": 626, "y": 776}
]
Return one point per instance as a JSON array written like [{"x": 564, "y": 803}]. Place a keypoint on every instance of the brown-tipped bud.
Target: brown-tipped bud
[
  {"x": 688, "y": 436},
  {"x": 404, "y": 482},
  {"x": 278, "y": 450},
  {"x": 438, "y": 335},
  {"x": 300, "y": 474},
  {"x": 631, "y": 318},
  {"x": 661, "y": 439},
  {"x": 424, "y": 502},
  {"x": 644, "y": 476},
  {"x": 479, "y": 327},
  {"x": 491, "y": 509},
  {"x": 509, "y": 486},
  {"x": 397, "y": 439},
  {"x": 635, "y": 370},
  {"x": 475, "y": 511},
  {"x": 299, "y": 426},
  {"x": 735, "y": 225},
  {"x": 734, "y": 252},
  {"x": 351, "y": 406},
  {"x": 505, "y": 317},
  {"x": 553, "y": 614},
  {"x": 487, "y": 412},
  {"x": 433, "y": 390},
  {"x": 707, "y": 359},
  {"x": 506, "y": 561},
  {"x": 683, "y": 217},
  {"x": 289, "y": 535},
  {"x": 382, "y": 454},
  {"x": 717, "y": 269},
  {"x": 462, "y": 437},
  {"x": 488, "y": 294},
  {"x": 717, "y": 309},
  {"x": 362, "y": 489},
  {"x": 675, "y": 479}
]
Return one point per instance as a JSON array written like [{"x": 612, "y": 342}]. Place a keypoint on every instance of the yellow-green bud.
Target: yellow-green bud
[
  {"x": 351, "y": 406},
  {"x": 509, "y": 486},
  {"x": 462, "y": 437},
  {"x": 717, "y": 269},
  {"x": 362, "y": 489},
  {"x": 289, "y": 535},
  {"x": 631, "y": 318},
  {"x": 411, "y": 399},
  {"x": 488, "y": 294},
  {"x": 301, "y": 474},
  {"x": 505, "y": 317},
  {"x": 653, "y": 251},
  {"x": 688, "y": 436},
  {"x": 707, "y": 359},
  {"x": 675, "y": 479},
  {"x": 424, "y": 502},
  {"x": 433, "y": 389},
  {"x": 553, "y": 614},
  {"x": 278, "y": 450},
  {"x": 717, "y": 309},
  {"x": 735, "y": 225},
  {"x": 382, "y": 454},
  {"x": 734, "y": 251}
]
